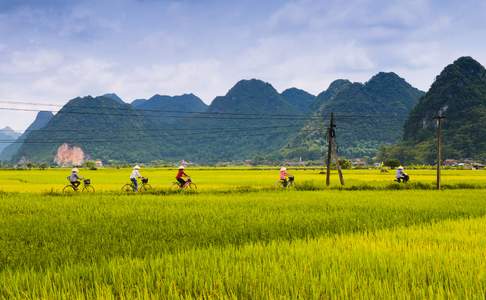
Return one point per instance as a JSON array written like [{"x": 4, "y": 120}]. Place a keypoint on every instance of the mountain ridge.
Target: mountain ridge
[
  {"x": 459, "y": 93},
  {"x": 251, "y": 120},
  {"x": 367, "y": 114}
]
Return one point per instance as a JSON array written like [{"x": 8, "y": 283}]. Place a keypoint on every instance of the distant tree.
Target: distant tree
[
  {"x": 392, "y": 163},
  {"x": 345, "y": 163},
  {"x": 90, "y": 165}
]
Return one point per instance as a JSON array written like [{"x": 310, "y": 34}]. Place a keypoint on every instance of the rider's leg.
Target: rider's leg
[
  {"x": 75, "y": 184},
  {"x": 181, "y": 181},
  {"x": 135, "y": 184}
]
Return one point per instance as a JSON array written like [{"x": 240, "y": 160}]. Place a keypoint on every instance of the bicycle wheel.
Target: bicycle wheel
[
  {"x": 278, "y": 184},
  {"x": 175, "y": 187},
  {"x": 88, "y": 189},
  {"x": 127, "y": 188},
  {"x": 68, "y": 189},
  {"x": 145, "y": 188},
  {"x": 191, "y": 186}
]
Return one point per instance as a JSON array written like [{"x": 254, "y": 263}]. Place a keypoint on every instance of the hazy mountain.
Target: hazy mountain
[
  {"x": 8, "y": 132},
  {"x": 7, "y": 135},
  {"x": 367, "y": 116},
  {"x": 299, "y": 99},
  {"x": 459, "y": 93},
  {"x": 40, "y": 121}
]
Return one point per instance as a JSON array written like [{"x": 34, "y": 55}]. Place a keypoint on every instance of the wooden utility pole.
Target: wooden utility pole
[
  {"x": 439, "y": 119},
  {"x": 330, "y": 137},
  {"x": 332, "y": 151},
  {"x": 338, "y": 165}
]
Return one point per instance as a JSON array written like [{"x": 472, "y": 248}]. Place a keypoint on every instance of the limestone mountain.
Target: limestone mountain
[
  {"x": 167, "y": 109},
  {"x": 251, "y": 119},
  {"x": 367, "y": 115},
  {"x": 186, "y": 102},
  {"x": 102, "y": 127},
  {"x": 252, "y": 97},
  {"x": 115, "y": 97},
  {"x": 459, "y": 94},
  {"x": 334, "y": 88},
  {"x": 299, "y": 99},
  {"x": 137, "y": 102}
]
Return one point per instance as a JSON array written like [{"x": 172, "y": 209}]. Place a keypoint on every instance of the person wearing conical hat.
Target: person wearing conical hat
[
  {"x": 180, "y": 176},
  {"x": 283, "y": 176},
  {"x": 134, "y": 176},
  {"x": 401, "y": 175},
  {"x": 74, "y": 178}
]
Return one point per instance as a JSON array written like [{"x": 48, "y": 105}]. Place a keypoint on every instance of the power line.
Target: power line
[
  {"x": 201, "y": 133},
  {"x": 156, "y": 129},
  {"x": 130, "y": 108},
  {"x": 137, "y": 114},
  {"x": 340, "y": 114},
  {"x": 140, "y": 138}
]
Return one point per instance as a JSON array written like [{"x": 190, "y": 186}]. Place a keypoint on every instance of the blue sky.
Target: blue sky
[{"x": 54, "y": 50}]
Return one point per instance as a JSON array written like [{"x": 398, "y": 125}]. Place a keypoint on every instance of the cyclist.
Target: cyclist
[
  {"x": 74, "y": 178},
  {"x": 401, "y": 175},
  {"x": 134, "y": 176},
  {"x": 180, "y": 175},
  {"x": 283, "y": 176}
]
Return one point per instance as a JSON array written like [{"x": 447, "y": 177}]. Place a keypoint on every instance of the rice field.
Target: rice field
[
  {"x": 224, "y": 242},
  {"x": 214, "y": 180}
]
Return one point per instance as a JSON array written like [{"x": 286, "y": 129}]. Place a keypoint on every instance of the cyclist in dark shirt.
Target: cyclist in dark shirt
[{"x": 180, "y": 176}]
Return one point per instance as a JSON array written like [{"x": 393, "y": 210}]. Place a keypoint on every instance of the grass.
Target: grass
[
  {"x": 239, "y": 239},
  {"x": 443, "y": 260}
]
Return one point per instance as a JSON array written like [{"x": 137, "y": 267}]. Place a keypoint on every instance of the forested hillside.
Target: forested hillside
[
  {"x": 459, "y": 94},
  {"x": 253, "y": 121},
  {"x": 103, "y": 127},
  {"x": 367, "y": 116}
]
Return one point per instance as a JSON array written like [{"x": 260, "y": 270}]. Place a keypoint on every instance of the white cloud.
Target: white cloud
[{"x": 20, "y": 62}]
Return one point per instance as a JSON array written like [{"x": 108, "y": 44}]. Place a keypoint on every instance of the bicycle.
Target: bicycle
[
  {"x": 189, "y": 185},
  {"x": 142, "y": 187},
  {"x": 404, "y": 179},
  {"x": 87, "y": 187},
  {"x": 285, "y": 184}
]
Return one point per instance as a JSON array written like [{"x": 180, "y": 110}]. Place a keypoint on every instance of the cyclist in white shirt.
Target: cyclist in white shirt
[
  {"x": 74, "y": 178},
  {"x": 134, "y": 176},
  {"x": 401, "y": 175}
]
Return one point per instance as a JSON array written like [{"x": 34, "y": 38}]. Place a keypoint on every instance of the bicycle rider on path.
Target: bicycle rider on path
[
  {"x": 134, "y": 176},
  {"x": 74, "y": 178},
  {"x": 180, "y": 175},
  {"x": 283, "y": 176}
]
